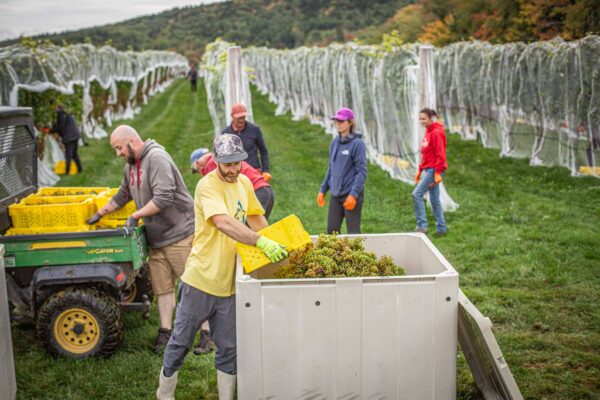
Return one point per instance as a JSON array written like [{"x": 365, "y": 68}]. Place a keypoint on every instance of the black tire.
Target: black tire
[
  {"x": 140, "y": 287},
  {"x": 80, "y": 323}
]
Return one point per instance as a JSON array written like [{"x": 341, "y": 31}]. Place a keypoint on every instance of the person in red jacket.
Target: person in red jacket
[{"x": 430, "y": 172}]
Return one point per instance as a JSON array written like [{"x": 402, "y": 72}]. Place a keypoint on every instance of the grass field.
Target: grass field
[{"x": 524, "y": 240}]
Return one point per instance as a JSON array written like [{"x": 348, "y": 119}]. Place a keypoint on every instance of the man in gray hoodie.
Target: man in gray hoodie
[{"x": 153, "y": 181}]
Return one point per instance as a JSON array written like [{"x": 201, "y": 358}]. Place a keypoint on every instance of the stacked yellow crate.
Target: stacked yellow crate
[
  {"x": 50, "y": 214},
  {"x": 65, "y": 209},
  {"x": 70, "y": 191},
  {"x": 115, "y": 219}
]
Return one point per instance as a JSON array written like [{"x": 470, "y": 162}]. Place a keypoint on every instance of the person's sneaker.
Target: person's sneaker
[
  {"x": 162, "y": 339},
  {"x": 440, "y": 234},
  {"x": 206, "y": 345},
  {"x": 421, "y": 230}
]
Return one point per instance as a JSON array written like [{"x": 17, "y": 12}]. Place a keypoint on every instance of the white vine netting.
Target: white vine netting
[
  {"x": 540, "y": 100},
  {"x": 380, "y": 87},
  {"x": 63, "y": 68}
]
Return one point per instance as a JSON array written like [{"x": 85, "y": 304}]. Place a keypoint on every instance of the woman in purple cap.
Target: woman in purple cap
[{"x": 346, "y": 175}]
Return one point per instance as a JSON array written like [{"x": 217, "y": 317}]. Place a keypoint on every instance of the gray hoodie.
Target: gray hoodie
[{"x": 156, "y": 177}]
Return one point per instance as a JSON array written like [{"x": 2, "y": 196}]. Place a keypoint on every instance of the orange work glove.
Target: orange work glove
[
  {"x": 321, "y": 199},
  {"x": 418, "y": 176},
  {"x": 267, "y": 176},
  {"x": 350, "y": 203},
  {"x": 437, "y": 179}
]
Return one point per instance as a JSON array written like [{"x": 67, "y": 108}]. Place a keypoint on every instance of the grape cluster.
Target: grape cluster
[{"x": 333, "y": 257}]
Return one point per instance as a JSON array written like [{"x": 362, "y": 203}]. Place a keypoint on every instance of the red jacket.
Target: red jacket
[
  {"x": 433, "y": 148},
  {"x": 255, "y": 177}
]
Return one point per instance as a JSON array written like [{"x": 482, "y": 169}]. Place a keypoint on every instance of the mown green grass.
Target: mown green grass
[{"x": 524, "y": 240}]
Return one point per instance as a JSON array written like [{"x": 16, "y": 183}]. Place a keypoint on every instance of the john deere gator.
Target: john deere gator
[{"x": 74, "y": 285}]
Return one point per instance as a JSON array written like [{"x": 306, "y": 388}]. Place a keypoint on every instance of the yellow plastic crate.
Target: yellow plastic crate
[
  {"x": 36, "y": 200},
  {"x": 106, "y": 223},
  {"x": 61, "y": 167},
  {"x": 589, "y": 170},
  {"x": 51, "y": 215},
  {"x": 54, "y": 229},
  {"x": 288, "y": 232},
  {"x": 393, "y": 161},
  {"x": 70, "y": 191},
  {"x": 122, "y": 213}
]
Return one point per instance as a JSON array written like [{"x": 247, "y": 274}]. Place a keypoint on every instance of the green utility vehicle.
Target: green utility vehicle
[{"x": 73, "y": 286}]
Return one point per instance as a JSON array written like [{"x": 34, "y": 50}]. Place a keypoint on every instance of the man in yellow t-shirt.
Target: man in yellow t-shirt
[{"x": 224, "y": 203}]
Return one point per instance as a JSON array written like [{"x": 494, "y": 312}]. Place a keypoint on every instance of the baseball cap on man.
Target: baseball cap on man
[
  {"x": 238, "y": 110},
  {"x": 196, "y": 154},
  {"x": 228, "y": 149},
  {"x": 343, "y": 114}
]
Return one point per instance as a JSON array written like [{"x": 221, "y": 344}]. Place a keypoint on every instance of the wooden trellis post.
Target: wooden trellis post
[
  {"x": 233, "y": 86},
  {"x": 427, "y": 89}
]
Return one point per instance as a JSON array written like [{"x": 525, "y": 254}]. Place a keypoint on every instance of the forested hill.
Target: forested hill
[
  {"x": 279, "y": 24},
  {"x": 292, "y": 23}
]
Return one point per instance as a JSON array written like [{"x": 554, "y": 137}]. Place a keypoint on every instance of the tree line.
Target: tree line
[
  {"x": 293, "y": 23},
  {"x": 441, "y": 22},
  {"x": 278, "y": 24}
]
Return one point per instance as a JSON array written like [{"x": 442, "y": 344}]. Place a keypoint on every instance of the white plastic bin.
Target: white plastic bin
[
  {"x": 351, "y": 338},
  {"x": 8, "y": 385}
]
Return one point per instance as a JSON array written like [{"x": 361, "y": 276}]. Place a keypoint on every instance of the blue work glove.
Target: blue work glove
[
  {"x": 93, "y": 219},
  {"x": 273, "y": 250},
  {"x": 131, "y": 222}
]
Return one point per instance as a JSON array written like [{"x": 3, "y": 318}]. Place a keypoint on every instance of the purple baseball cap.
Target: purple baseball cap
[{"x": 343, "y": 114}]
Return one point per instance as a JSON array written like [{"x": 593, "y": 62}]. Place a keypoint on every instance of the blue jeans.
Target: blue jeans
[{"x": 427, "y": 178}]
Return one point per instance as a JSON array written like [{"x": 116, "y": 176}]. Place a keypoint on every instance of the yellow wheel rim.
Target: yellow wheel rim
[
  {"x": 76, "y": 330},
  {"x": 130, "y": 294}
]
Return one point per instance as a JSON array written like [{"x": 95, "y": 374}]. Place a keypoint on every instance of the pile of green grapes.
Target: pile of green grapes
[{"x": 333, "y": 257}]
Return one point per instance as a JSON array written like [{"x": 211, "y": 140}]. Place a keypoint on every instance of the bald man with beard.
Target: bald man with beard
[{"x": 152, "y": 180}]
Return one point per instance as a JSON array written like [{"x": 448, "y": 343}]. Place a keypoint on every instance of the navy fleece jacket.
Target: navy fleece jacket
[{"x": 347, "y": 170}]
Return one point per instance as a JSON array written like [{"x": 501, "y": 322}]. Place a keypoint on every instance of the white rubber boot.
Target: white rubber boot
[
  {"x": 166, "y": 386},
  {"x": 226, "y": 384}
]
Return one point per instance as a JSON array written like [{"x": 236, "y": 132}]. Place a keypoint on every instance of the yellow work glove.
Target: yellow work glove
[
  {"x": 321, "y": 199},
  {"x": 418, "y": 176},
  {"x": 350, "y": 203},
  {"x": 273, "y": 250},
  {"x": 267, "y": 176}
]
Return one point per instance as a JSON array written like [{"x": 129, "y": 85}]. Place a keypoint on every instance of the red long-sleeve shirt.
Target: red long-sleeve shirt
[
  {"x": 433, "y": 148},
  {"x": 255, "y": 177}
]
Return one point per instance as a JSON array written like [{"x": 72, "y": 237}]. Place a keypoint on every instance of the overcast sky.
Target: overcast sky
[{"x": 32, "y": 17}]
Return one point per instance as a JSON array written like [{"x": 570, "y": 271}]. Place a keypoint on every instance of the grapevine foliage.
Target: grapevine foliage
[{"x": 333, "y": 257}]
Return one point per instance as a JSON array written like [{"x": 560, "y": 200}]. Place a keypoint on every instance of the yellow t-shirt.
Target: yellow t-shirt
[{"x": 210, "y": 266}]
